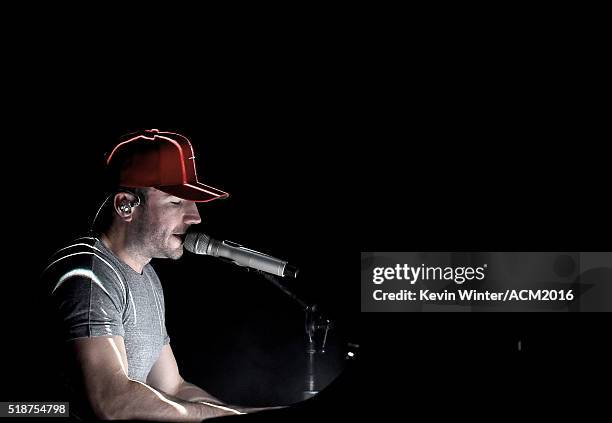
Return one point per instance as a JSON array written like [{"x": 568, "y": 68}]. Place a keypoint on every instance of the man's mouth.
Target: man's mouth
[{"x": 181, "y": 237}]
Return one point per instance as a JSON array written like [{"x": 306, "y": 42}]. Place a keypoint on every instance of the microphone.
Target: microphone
[{"x": 199, "y": 243}]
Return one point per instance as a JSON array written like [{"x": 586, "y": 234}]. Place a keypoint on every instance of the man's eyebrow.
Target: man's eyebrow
[
  {"x": 165, "y": 195},
  {"x": 168, "y": 197}
]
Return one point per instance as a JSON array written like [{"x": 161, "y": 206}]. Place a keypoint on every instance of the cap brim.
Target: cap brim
[{"x": 197, "y": 192}]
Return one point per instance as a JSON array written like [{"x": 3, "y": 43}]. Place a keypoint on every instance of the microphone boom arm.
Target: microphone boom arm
[{"x": 314, "y": 321}]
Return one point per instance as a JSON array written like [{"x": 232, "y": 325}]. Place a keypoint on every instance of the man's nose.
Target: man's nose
[{"x": 192, "y": 215}]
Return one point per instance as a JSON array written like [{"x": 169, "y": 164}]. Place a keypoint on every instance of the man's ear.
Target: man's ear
[{"x": 124, "y": 203}]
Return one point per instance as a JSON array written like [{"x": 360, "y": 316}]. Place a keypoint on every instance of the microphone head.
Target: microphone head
[{"x": 196, "y": 242}]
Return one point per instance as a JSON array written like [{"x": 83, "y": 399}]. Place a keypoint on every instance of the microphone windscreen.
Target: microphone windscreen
[{"x": 196, "y": 242}]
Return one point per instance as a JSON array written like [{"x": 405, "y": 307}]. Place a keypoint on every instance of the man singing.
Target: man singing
[{"x": 109, "y": 299}]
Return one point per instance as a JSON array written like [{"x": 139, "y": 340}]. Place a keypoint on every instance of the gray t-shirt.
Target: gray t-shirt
[{"x": 96, "y": 294}]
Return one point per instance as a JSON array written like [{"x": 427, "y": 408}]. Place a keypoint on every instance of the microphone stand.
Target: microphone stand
[{"x": 314, "y": 321}]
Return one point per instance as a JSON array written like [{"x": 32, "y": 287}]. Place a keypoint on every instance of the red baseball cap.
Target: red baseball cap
[{"x": 162, "y": 160}]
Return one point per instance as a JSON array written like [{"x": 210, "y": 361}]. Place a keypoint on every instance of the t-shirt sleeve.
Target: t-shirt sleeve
[{"x": 90, "y": 305}]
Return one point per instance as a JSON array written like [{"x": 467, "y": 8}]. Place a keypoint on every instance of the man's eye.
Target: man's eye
[{"x": 176, "y": 202}]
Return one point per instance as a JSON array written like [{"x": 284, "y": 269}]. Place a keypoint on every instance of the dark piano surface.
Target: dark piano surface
[{"x": 469, "y": 368}]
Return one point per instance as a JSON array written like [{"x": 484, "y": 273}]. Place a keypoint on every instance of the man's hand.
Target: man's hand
[{"x": 249, "y": 410}]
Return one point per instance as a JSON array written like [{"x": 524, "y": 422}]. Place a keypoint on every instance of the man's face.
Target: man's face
[{"x": 162, "y": 224}]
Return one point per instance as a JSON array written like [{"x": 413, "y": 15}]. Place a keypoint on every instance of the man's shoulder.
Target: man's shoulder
[{"x": 82, "y": 257}]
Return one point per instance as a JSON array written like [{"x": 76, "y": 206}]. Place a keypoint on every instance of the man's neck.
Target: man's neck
[{"x": 120, "y": 247}]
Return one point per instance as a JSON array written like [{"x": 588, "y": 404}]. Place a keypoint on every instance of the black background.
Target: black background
[{"x": 328, "y": 146}]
